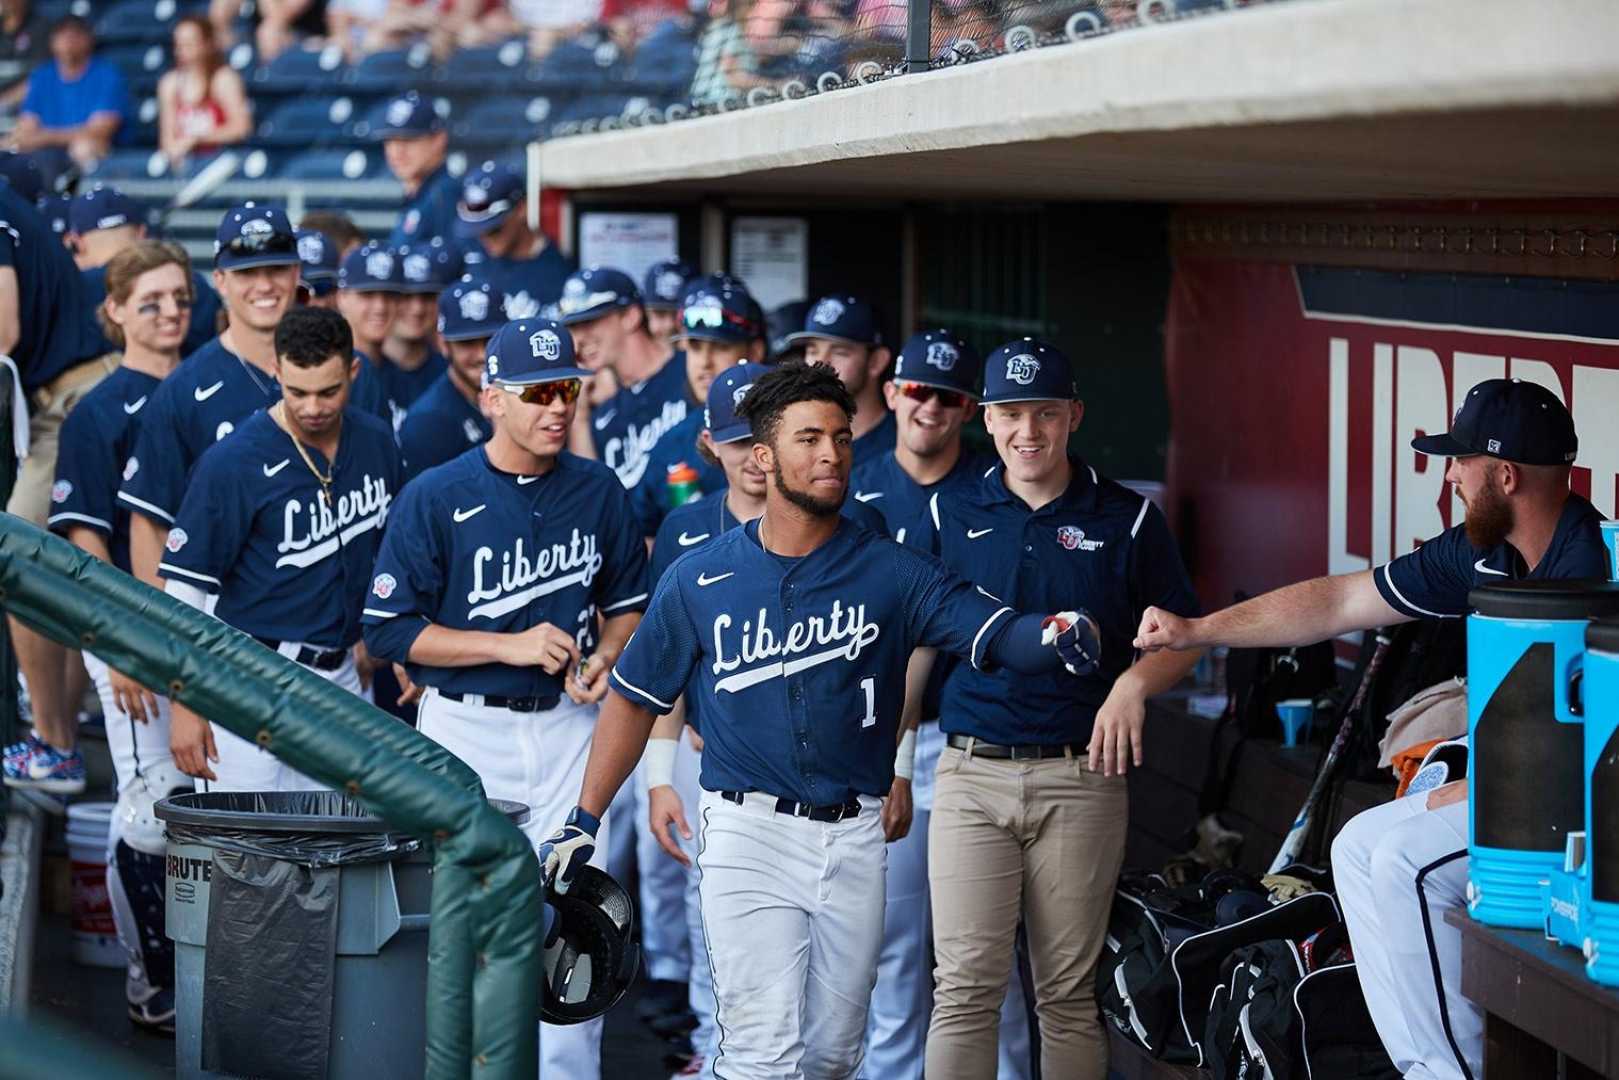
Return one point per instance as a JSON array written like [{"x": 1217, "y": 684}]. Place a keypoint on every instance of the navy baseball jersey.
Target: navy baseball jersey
[
  {"x": 199, "y": 404},
  {"x": 1098, "y": 546},
  {"x": 526, "y": 285},
  {"x": 677, "y": 447},
  {"x": 430, "y": 212},
  {"x": 205, "y": 308},
  {"x": 881, "y": 483},
  {"x": 441, "y": 425},
  {"x": 800, "y": 663},
  {"x": 404, "y": 387},
  {"x": 96, "y": 440},
  {"x": 692, "y": 524},
  {"x": 876, "y": 442},
  {"x": 1434, "y": 580},
  {"x": 629, "y": 424},
  {"x": 369, "y": 393},
  {"x": 474, "y": 548},
  {"x": 255, "y": 528},
  {"x": 53, "y": 335}
]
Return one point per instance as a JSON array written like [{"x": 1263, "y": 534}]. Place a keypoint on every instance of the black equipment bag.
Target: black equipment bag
[{"x": 1252, "y": 1029}]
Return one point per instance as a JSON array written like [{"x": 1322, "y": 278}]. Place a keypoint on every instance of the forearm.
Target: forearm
[
  {"x": 1156, "y": 673},
  {"x": 10, "y": 322},
  {"x": 616, "y": 633},
  {"x": 917, "y": 672},
  {"x": 621, "y": 734},
  {"x": 1298, "y": 614},
  {"x": 671, "y": 723},
  {"x": 439, "y": 646},
  {"x": 146, "y": 538},
  {"x": 91, "y": 541}
]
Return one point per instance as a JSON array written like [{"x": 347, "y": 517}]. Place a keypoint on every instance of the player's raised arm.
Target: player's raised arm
[{"x": 1299, "y": 614}]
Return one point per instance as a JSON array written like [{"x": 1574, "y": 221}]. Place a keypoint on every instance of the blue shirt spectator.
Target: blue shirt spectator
[{"x": 74, "y": 105}]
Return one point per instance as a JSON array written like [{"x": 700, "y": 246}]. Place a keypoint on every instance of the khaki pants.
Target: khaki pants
[
  {"x": 48, "y": 407},
  {"x": 1037, "y": 840}
]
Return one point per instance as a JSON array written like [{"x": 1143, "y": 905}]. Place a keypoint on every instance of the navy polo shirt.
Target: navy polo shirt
[
  {"x": 54, "y": 335},
  {"x": 430, "y": 212},
  {"x": 629, "y": 424},
  {"x": 677, "y": 447},
  {"x": 800, "y": 663},
  {"x": 441, "y": 425},
  {"x": 1098, "y": 546},
  {"x": 1433, "y": 581},
  {"x": 884, "y": 485},
  {"x": 96, "y": 441},
  {"x": 205, "y": 308}
]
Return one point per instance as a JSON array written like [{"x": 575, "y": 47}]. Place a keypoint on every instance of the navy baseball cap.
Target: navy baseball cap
[
  {"x": 725, "y": 396},
  {"x": 940, "y": 358},
  {"x": 717, "y": 314},
  {"x": 1510, "y": 419},
  {"x": 103, "y": 208},
  {"x": 531, "y": 351},
  {"x": 427, "y": 268},
  {"x": 22, "y": 172},
  {"x": 470, "y": 309},
  {"x": 840, "y": 318},
  {"x": 318, "y": 258},
  {"x": 55, "y": 209},
  {"x": 710, "y": 282},
  {"x": 1027, "y": 370},
  {"x": 487, "y": 196},
  {"x": 593, "y": 292},
  {"x": 405, "y": 117},
  {"x": 252, "y": 236},
  {"x": 782, "y": 323},
  {"x": 370, "y": 268},
  {"x": 665, "y": 282}
]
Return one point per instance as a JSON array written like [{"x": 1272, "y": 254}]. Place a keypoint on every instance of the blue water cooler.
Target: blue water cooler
[
  {"x": 1525, "y": 652},
  {"x": 1601, "y": 691}
]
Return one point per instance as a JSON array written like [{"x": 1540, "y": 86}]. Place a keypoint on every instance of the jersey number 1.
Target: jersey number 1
[{"x": 869, "y": 686}]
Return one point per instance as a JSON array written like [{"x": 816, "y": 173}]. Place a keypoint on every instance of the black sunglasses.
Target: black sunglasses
[
  {"x": 274, "y": 243},
  {"x": 950, "y": 399}
]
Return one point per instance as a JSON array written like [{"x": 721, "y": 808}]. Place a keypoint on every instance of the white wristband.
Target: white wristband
[
  {"x": 660, "y": 763},
  {"x": 905, "y": 757}
]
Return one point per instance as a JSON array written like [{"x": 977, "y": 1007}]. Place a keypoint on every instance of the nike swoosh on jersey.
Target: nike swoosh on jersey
[
  {"x": 462, "y": 515},
  {"x": 527, "y": 479},
  {"x": 601, "y": 422},
  {"x": 271, "y": 470},
  {"x": 704, "y": 579},
  {"x": 1481, "y": 568},
  {"x": 685, "y": 539},
  {"x": 202, "y": 394},
  {"x": 133, "y": 407},
  {"x": 867, "y": 496},
  {"x": 974, "y": 534}
]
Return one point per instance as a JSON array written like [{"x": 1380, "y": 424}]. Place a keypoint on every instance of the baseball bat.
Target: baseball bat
[
  {"x": 1293, "y": 844},
  {"x": 208, "y": 178}
]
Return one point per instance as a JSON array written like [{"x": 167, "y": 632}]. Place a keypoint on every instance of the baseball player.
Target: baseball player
[
  {"x": 369, "y": 287},
  {"x": 717, "y": 332},
  {"x": 412, "y": 359},
  {"x": 602, "y": 308},
  {"x": 317, "y": 270},
  {"x": 1400, "y": 866},
  {"x": 448, "y": 418},
  {"x": 282, "y": 521},
  {"x": 104, "y": 221},
  {"x": 221, "y": 384},
  {"x": 665, "y": 284},
  {"x": 794, "y": 630},
  {"x": 414, "y": 144},
  {"x": 841, "y": 331},
  {"x": 1020, "y": 826},
  {"x": 492, "y": 218},
  {"x": 146, "y": 312},
  {"x": 492, "y": 576}
]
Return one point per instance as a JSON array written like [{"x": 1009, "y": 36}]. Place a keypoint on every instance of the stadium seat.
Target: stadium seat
[
  {"x": 665, "y": 62},
  {"x": 392, "y": 71},
  {"x": 142, "y": 65},
  {"x": 140, "y": 130},
  {"x": 347, "y": 164},
  {"x": 130, "y": 164},
  {"x": 315, "y": 121},
  {"x": 587, "y": 62},
  {"x": 486, "y": 67},
  {"x": 300, "y": 71},
  {"x": 502, "y": 121},
  {"x": 140, "y": 21}
]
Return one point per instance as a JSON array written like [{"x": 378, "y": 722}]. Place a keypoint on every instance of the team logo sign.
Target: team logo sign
[
  {"x": 1072, "y": 537},
  {"x": 520, "y": 305},
  {"x": 61, "y": 490},
  {"x": 474, "y": 305},
  {"x": 417, "y": 267},
  {"x": 546, "y": 345},
  {"x": 256, "y": 229},
  {"x": 311, "y": 248},
  {"x": 476, "y": 196},
  {"x": 942, "y": 355},
  {"x": 492, "y": 362},
  {"x": 177, "y": 540},
  {"x": 1022, "y": 369},
  {"x": 739, "y": 393},
  {"x": 131, "y": 467},
  {"x": 668, "y": 284},
  {"x": 575, "y": 287},
  {"x": 384, "y": 586},
  {"x": 399, "y": 112},
  {"x": 828, "y": 311},
  {"x": 379, "y": 264}
]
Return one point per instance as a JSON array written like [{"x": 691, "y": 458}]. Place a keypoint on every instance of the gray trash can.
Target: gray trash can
[{"x": 299, "y": 924}]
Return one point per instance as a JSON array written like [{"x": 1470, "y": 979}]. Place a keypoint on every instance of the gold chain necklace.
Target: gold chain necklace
[{"x": 278, "y": 414}]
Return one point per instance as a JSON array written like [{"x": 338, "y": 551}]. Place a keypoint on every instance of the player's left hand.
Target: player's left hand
[
  {"x": 897, "y": 810},
  {"x": 409, "y": 692},
  {"x": 137, "y": 702},
  {"x": 1116, "y": 735},
  {"x": 1077, "y": 639},
  {"x": 587, "y": 683},
  {"x": 364, "y": 666},
  {"x": 1446, "y": 794},
  {"x": 569, "y": 848}
]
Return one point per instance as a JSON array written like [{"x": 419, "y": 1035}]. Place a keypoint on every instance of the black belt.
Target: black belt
[
  {"x": 979, "y": 748},
  {"x": 319, "y": 659},
  {"x": 834, "y": 812},
  {"x": 501, "y": 701}
]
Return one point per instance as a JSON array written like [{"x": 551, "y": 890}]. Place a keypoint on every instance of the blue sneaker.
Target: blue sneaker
[
  {"x": 47, "y": 769},
  {"x": 19, "y": 750}
]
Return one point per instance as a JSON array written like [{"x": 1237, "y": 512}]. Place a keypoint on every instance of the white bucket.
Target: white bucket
[{"x": 95, "y": 938}]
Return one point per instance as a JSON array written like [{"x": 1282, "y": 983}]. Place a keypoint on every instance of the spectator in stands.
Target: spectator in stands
[
  {"x": 630, "y": 21},
  {"x": 414, "y": 143},
  {"x": 202, "y": 104},
  {"x": 74, "y": 105},
  {"x": 546, "y": 22},
  {"x": 742, "y": 38},
  {"x": 280, "y": 23},
  {"x": 24, "y": 42},
  {"x": 337, "y": 227}
]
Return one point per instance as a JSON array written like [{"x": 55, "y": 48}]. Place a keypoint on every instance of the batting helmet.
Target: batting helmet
[{"x": 590, "y": 959}]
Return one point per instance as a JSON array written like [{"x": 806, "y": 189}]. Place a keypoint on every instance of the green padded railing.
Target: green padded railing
[{"x": 484, "y": 940}]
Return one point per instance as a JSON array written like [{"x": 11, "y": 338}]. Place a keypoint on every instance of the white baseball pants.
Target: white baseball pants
[{"x": 243, "y": 766}]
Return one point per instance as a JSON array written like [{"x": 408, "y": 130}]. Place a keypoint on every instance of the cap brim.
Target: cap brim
[
  {"x": 1018, "y": 398},
  {"x": 801, "y": 336},
  {"x": 384, "y": 134},
  {"x": 938, "y": 384},
  {"x": 553, "y": 375},
  {"x": 591, "y": 314},
  {"x": 730, "y": 433},
  {"x": 471, "y": 230},
  {"x": 250, "y": 262},
  {"x": 709, "y": 333},
  {"x": 1441, "y": 446},
  {"x": 416, "y": 288},
  {"x": 372, "y": 286},
  {"x": 471, "y": 335}
]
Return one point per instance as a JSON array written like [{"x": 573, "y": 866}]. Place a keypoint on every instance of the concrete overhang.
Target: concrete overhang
[{"x": 1308, "y": 100}]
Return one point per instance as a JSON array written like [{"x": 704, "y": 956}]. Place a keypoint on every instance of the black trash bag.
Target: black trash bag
[
  {"x": 310, "y": 828},
  {"x": 270, "y": 967}
]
